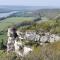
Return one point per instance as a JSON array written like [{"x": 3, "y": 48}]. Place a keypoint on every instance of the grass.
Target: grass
[
  {"x": 52, "y": 26},
  {"x": 14, "y": 20},
  {"x": 50, "y": 51},
  {"x": 47, "y": 52}
]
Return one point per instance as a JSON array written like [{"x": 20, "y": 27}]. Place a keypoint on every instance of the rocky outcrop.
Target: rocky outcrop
[
  {"x": 10, "y": 43},
  {"x": 15, "y": 38},
  {"x": 42, "y": 38},
  {"x": 15, "y": 43}
]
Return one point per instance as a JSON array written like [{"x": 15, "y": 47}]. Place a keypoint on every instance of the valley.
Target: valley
[{"x": 39, "y": 29}]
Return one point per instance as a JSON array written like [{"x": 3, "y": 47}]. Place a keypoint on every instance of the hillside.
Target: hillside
[
  {"x": 40, "y": 52},
  {"x": 35, "y": 22}
]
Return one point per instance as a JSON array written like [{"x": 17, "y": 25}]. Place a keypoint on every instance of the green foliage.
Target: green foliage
[
  {"x": 4, "y": 24},
  {"x": 52, "y": 26},
  {"x": 47, "y": 51},
  {"x": 5, "y": 56},
  {"x": 2, "y": 45}
]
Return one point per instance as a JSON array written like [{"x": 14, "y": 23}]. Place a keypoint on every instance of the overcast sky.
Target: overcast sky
[{"x": 31, "y": 2}]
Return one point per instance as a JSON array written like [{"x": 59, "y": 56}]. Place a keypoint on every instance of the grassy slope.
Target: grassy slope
[
  {"x": 52, "y": 26},
  {"x": 51, "y": 50}
]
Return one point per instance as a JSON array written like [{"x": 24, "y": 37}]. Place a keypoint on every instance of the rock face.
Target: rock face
[
  {"x": 10, "y": 43},
  {"x": 15, "y": 38},
  {"x": 42, "y": 38},
  {"x": 21, "y": 50},
  {"x": 11, "y": 39},
  {"x": 15, "y": 43},
  {"x": 18, "y": 47}
]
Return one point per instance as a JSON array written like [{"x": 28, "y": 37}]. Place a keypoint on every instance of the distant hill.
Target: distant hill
[{"x": 31, "y": 11}]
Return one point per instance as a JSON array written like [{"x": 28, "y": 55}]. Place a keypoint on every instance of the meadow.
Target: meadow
[{"x": 13, "y": 20}]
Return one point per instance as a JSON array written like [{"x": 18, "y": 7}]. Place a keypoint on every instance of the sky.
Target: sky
[{"x": 54, "y": 3}]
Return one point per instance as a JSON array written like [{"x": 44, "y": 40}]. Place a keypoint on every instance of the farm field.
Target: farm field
[{"x": 13, "y": 20}]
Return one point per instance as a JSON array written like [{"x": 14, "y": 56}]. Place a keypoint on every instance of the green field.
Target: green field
[{"x": 14, "y": 20}]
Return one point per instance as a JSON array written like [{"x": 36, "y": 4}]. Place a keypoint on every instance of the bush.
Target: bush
[{"x": 2, "y": 46}]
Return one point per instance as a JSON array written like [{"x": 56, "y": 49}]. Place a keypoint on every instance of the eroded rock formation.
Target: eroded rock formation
[
  {"x": 12, "y": 36},
  {"x": 16, "y": 44}
]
